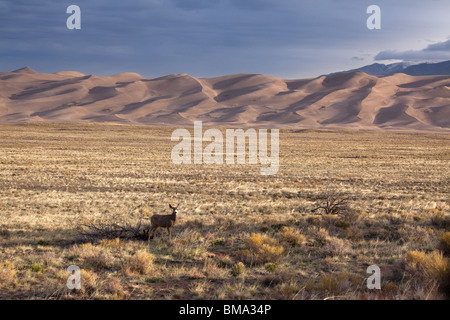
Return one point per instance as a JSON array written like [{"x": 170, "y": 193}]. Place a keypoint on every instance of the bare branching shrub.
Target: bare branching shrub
[
  {"x": 113, "y": 226},
  {"x": 332, "y": 202}
]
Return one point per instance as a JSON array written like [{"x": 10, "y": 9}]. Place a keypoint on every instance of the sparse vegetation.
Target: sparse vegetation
[{"x": 83, "y": 194}]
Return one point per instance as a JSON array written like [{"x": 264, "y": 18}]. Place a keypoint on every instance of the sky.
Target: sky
[{"x": 206, "y": 38}]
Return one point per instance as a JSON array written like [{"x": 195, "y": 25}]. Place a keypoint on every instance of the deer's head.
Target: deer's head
[{"x": 174, "y": 209}]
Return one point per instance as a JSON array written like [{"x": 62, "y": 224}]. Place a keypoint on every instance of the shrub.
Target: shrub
[
  {"x": 115, "y": 288},
  {"x": 223, "y": 260},
  {"x": 354, "y": 233},
  {"x": 36, "y": 268},
  {"x": 342, "y": 224},
  {"x": 92, "y": 255},
  {"x": 98, "y": 261},
  {"x": 292, "y": 236},
  {"x": 7, "y": 274},
  {"x": 141, "y": 262},
  {"x": 110, "y": 243},
  {"x": 332, "y": 202},
  {"x": 272, "y": 267},
  {"x": 336, "y": 247},
  {"x": 261, "y": 249},
  {"x": 4, "y": 233},
  {"x": 333, "y": 283},
  {"x": 189, "y": 237},
  {"x": 314, "y": 220},
  {"x": 238, "y": 269},
  {"x": 218, "y": 242},
  {"x": 328, "y": 283},
  {"x": 154, "y": 280},
  {"x": 88, "y": 280},
  {"x": 322, "y": 236},
  {"x": 439, "y": 219},
  {"x": 288, "y": 289},
  {"x": 433, "y": 265},
  {"x": 278, "y": 226},
  {"x": 444, "y": 243}
]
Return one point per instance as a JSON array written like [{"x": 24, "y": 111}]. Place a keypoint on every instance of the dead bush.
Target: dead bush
[
  {"x": 112, "y": 226},
  {"x": 332, "y": 202}
]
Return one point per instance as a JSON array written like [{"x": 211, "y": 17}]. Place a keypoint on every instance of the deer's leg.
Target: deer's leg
[
  {"x": 169, "y": 230},
  {"x": 154, "y": 228}
]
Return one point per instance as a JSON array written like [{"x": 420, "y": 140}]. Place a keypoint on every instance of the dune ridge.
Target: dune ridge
[{"x": 350, "y": 100}]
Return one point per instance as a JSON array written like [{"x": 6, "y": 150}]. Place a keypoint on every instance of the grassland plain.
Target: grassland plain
[{"x": 239, "y": 235}]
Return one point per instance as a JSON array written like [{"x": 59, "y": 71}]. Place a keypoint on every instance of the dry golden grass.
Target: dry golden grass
[
  {"x": 261, "y": 248},
  {"x": 239, "y": 234},
  {"x": 433, "y": 265},
  {"x": 445, "y": 243}
]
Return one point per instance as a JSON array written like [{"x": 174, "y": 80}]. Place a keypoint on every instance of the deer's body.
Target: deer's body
[{"x": 163, "y": 221}]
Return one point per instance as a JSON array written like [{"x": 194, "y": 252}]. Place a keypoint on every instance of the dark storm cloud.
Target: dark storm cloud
[
  {"x": 200, "y": 37},
  {"x": 434, "y": 52},
  {"x": 441, "y": 46}
]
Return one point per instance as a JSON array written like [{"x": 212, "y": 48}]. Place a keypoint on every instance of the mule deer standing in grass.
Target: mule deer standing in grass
[{"x": 162, "y": 221}]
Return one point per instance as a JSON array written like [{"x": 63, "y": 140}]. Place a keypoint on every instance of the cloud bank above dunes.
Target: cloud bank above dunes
[{"x": 434, "y": 52}]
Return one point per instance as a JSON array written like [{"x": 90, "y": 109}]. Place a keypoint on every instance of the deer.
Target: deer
[{"x": 162, "y": 221}]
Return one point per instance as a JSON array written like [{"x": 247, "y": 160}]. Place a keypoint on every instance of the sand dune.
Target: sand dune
[{"x": 352, "y": 100}]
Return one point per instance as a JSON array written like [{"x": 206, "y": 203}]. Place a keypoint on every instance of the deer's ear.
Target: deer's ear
[{"x": 170, "y": 206}]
